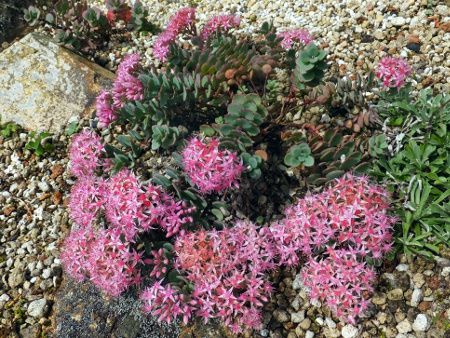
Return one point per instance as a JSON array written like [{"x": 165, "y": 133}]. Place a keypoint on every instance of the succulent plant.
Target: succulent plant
[
  {"x": 378, "y": 145},
  {"x": 226, "y": 60},
  {"x": 347, "y": 95},
  {"x": 334, "y": 155},
  {"x": 321, "y": 94},
  {"x": 310, "y": 67},
  {"x": 236, "y": 129},
  {"x": 32, "y": 15},
  {"x": 351, "y": 93},
  {"x": 139, "y": 22},
  {"x": 299, "y": 154},
  {"x": 351, "y": 96}
]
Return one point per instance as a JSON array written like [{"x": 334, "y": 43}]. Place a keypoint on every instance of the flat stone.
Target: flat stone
[
  {"x": 396, "y": 294},
  {"x": 379, "y": 298},
  {"x": 30, "y": 331},
  {"x": 309, "y": 334},
  {"x": 281, "y": 316},
  {"x": 297, "y": 283},
  {"x": 15, "y": 278},
  {"x": 445, "y": 271},
  {"x": 305, "y": 324},
  {"x": 404, "y": 326},
  {"x": 418, "y": 280},
  {"x": 398, "y": 21},
  {"x": 297, "y": 317},
  {"x": 43, "y": 85},
  {"x": 402, "y": 267},
  {"x": 37, "y": 308},
  {"x": 330, "y": 323}
]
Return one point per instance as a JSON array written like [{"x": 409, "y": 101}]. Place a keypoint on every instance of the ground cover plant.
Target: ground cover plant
[
  {"x": 418, "y": 168},
  {"x": 86, "y": 28},
  {"x": 216, "y": 112}
]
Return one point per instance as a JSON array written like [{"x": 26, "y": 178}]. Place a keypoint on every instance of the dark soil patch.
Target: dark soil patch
[{"x": 11, "y": 19}]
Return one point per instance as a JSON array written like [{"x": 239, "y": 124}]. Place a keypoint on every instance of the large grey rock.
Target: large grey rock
[{"x": 43, "y": 85}]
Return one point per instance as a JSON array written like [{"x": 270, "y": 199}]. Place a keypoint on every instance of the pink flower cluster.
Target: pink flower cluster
[
  {"x": 106, "y": 114},
  {"x": 303, "y": 229},
  {"x": 75, "y": 255},
  {"x": 228, "y": 271},
  {"x": 87, "y": 198},
  {"x": 351, "y": 212},
  {"x": 348, "y": 221},
  {"x": 209, "y": 168},
  {"x": 219, "y": 23},
  {"x": 340, "y": 280},
  {"x": 159, "y": 208},
  {"x": 295, "y": 35},
  {"x": 358, "y": 215},
  {"x": 101, "y": 255},
  {"x": 166, "y": 302},
  {"x": 179, "y": 22},
  {"x": 393, "y": 71},
  {"x": 85, "y": 152},
  {"x": 127, "y": 206},
  {"x": 126, "y": 87},
  {"x": 121, "y": 203},
  {"x": 351, "y": 215},
  {"x": 159, "y": 262},
  {"x": 104, "y": 255}
]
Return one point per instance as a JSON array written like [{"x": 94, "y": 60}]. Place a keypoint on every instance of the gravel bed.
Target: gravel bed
[
  {"x": 412, "y": 299},
  {"x": 33, "y": 220},
  {"x": 357, "y": 33}
]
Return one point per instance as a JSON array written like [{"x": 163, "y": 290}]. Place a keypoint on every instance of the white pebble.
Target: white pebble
[
  {"x": 349, "y": 331},
  {"x": 421, "y": 323}
]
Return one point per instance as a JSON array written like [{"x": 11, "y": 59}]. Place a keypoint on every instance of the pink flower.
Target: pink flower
[
  {"x": 340, "y": 281},
  {"x": 179, "y": 22},
  {"x": 159, "y": 262},
  {"x": 111, "y": 264},
  {"x": 121, "y": 205},
  {"x": 84, "y": 153},
  {"x": 166, "y": 303},
  {"x": 228, "y": 271},
  {"x": 162, "y": 43},
  {"x": 219, "y": 23},
  {"x": 295, "y": 35},
  {"x": 127, "y": 87},
  {"x": 156, "y": 207},
  {"x": 304, "y": 229},
  {"x": 86, "y": 200},
  {"x": 351, "y": 212},
  {"x": 393, "y": 71},
  {"x": 106, "y": 113},
  {"x": 358, "y": 215},
  {"x": 101, "y": 257},
  {"x": 209, "y": 168},
  {"x": 129, "y": 64},
  {"x": 75, "y": 252}
]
